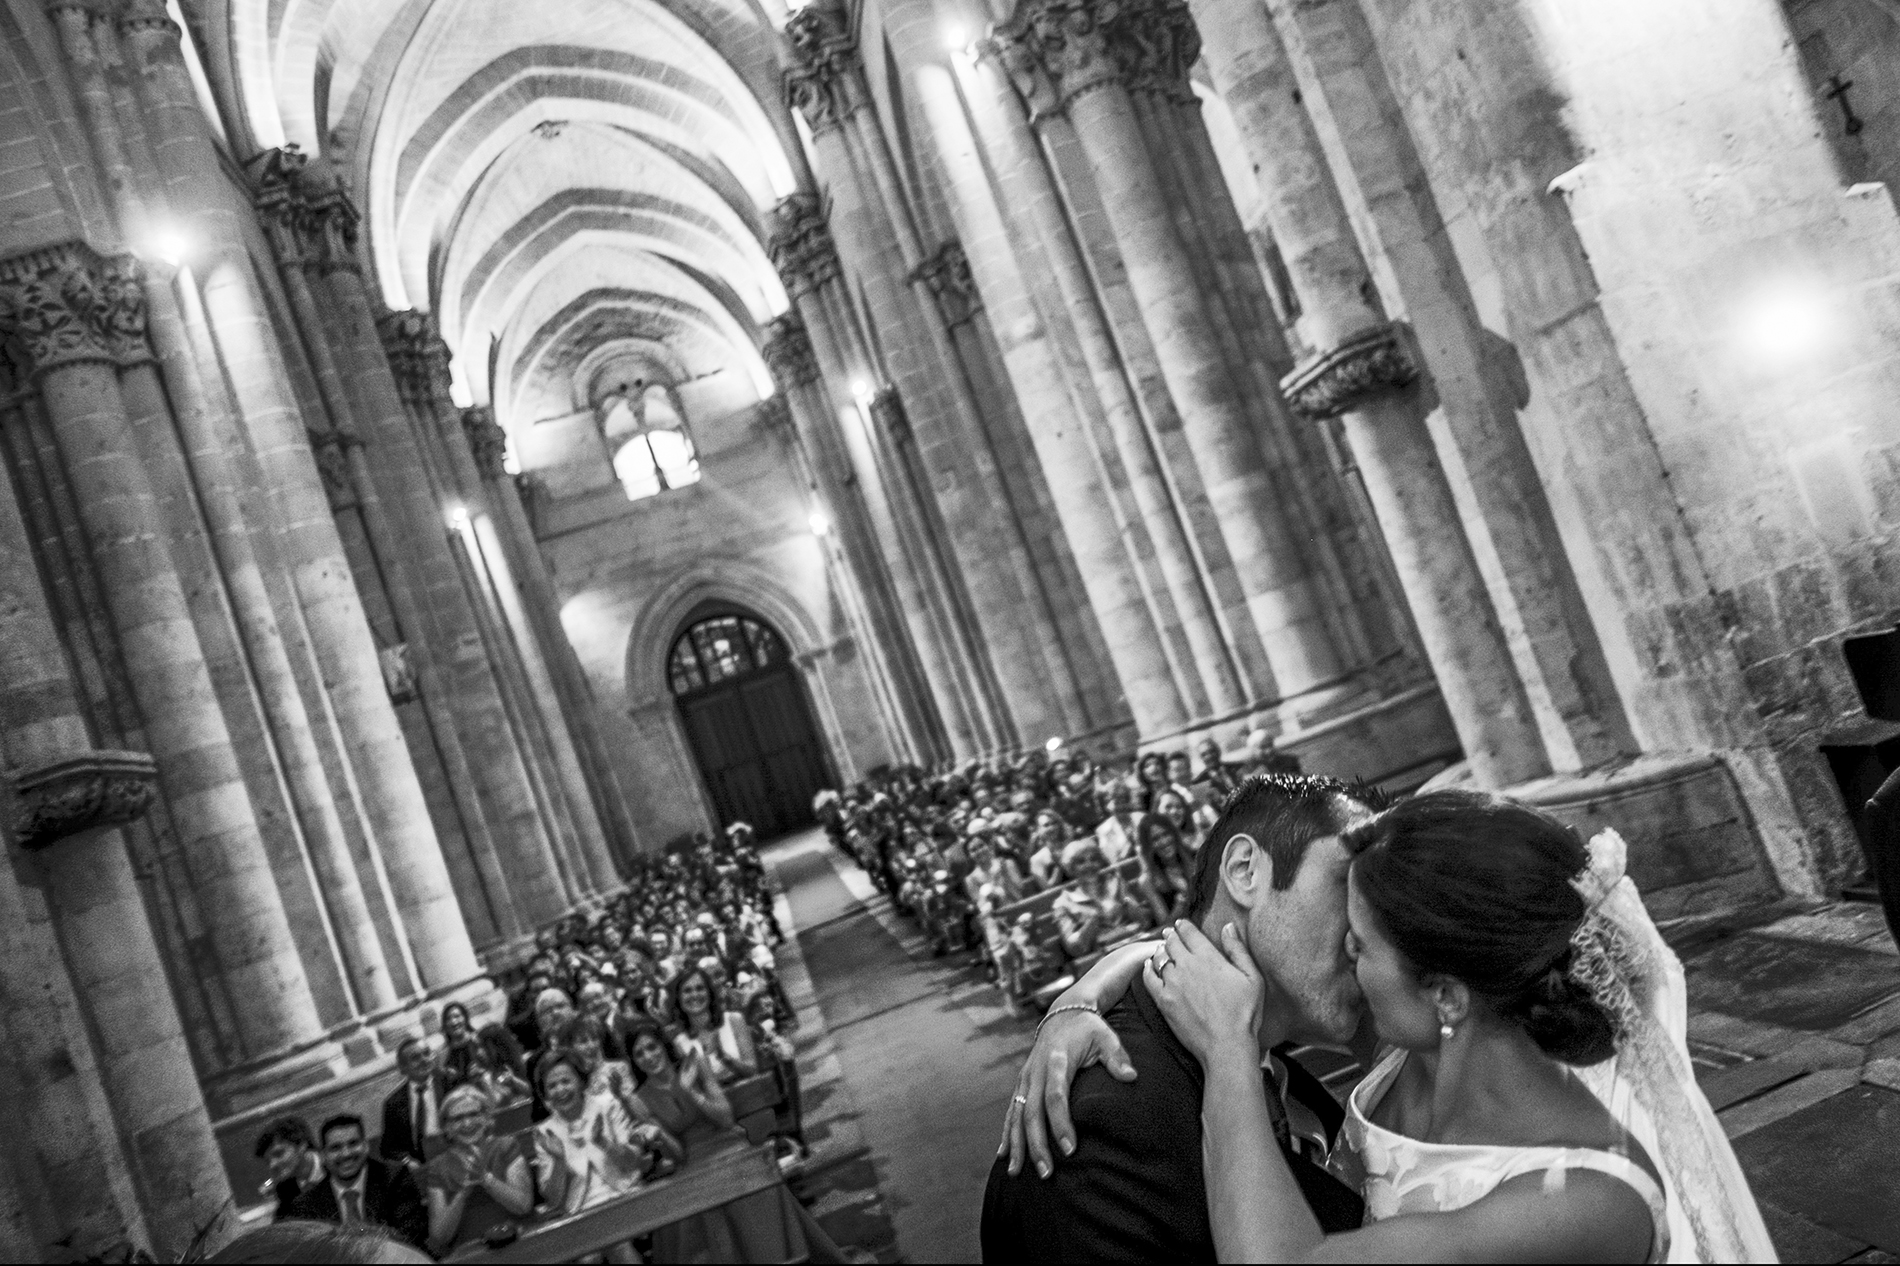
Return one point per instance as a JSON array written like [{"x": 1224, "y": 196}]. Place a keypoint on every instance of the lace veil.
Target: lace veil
[{"x": 1650, "y": 1085}]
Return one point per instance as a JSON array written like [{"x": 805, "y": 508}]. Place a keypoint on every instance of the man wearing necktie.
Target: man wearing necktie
[
  {"x": 359, "y": 1191},
  {"x": 412, "y": 1112}
]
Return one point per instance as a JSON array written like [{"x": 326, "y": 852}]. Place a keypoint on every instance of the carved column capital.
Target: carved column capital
[
  {"x": 887, "y": 411},
  {"x": 1340, "y": 380},
  {"x": 1157, "y": 43},
  {"x": 122, "y": 309},
  {"x": 1056, "y": 50},
  {"x": 89, "y": 792},
  {"x": 67, "y": 304},
  {"x": 278, "y": 200},
  {"x": 947, "y": 272},
  {"x": 147, "y": 15},
  {"x": 825, "y": 80},
  {"x": 800, "y": 244},
  {"x": 788, "y": 353},
  {"x": 486, "y": 440},
  {"x": 406, "y": 337}
]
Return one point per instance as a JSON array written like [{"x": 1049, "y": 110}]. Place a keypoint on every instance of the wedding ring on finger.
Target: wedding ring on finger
[
  {"x": 1161, "y": 961},
  {"x": 1019, "y": 1100}
]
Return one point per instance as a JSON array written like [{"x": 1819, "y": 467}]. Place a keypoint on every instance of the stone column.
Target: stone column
[
  {"x": 68, "y": 801},
  {"x": 377, "y": 754},
  {"x": 1030, "y": 194},
  {"x": 180, "y": 402},
  {"x": 992, "y": 581},
  {"x": 412, "y": 853},
  {"x": 1649, "y": 594},
  {"x": 1363, "y": 371},
  {"x": 420, "y": 361},
  {"x": 807, "y": 260},
  {"x": 808, "y": 409},
  {"x": 1058, "y": 54},
  {"x": 51, "y": 301},
  {"x": 409, "y": 524},
  {"x": 1507, "y": 517},
  {"x": 515, "y": 539},
  {"x": 1134, "y": 643}
]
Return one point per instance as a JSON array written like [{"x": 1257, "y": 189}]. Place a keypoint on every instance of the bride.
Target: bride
[{"x": 1536, "y": 1101}]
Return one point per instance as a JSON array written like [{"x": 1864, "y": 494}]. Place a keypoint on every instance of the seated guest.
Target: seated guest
[
  {"x": 504, "y": 1056},
  {"x": 479, "y": 1181},
  {"x": 1151, "y": 775},
  {"x": 676, "y": 1087},
  {"x": 581, "y": 1038},
  {"x": 1164, "y": 862},
  {"x": 412, "y": 1114},
  {"x": 463, "y": 1058},
  {"x": 720, "y": 1036},
  {"x": 588, "y": 1151},
  {"x": 1116, "y": 833},
  {"x": 1050, "y": 836},
  {"x": 779, "y": 1057},
  {"x": 357, "y": 1189},
  {"x": 520, "y": 1018},
  {"x": 1219, "y": 778},
  {"x": 597, "y": 1002},
  {"x": 1180, "y": 775},
  {"x": 287, "y": 1148},
  {"x": 1098, "y": 909}
]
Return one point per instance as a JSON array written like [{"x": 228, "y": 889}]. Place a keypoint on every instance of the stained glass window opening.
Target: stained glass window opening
[{"x": 720, "y": 649}]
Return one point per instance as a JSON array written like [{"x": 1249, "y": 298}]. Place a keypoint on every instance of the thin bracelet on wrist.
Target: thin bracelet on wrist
[{"x": 1052, "y": 1012}]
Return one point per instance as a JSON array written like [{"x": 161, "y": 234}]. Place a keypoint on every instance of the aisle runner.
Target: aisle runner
[{"x": 926, "y": 1047}]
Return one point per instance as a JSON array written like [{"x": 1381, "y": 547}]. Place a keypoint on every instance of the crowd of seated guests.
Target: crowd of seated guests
[
  {"x": 628, "y": 1027},
  {"x": 961, "y": 850}
]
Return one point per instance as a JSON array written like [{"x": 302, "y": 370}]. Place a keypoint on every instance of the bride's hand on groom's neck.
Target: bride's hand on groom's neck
[{"x": 1211, "y": 993}]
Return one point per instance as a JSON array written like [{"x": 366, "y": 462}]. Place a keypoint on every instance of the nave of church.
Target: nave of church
[{"x": 458, "y": 453}]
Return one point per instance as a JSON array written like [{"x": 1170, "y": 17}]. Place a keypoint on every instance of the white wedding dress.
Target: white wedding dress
[{"x": 1406, "y": 1175}]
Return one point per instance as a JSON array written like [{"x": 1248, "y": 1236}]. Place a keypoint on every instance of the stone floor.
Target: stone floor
[{"x": 1794, "y": 1026}]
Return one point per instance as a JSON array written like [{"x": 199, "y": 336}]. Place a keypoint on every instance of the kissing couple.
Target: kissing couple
[{"x": 1534, "y": 1102}]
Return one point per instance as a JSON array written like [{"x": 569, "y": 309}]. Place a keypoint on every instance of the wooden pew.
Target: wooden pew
[
  {"x": 717, "y": 1178},
  {"x": 1048, "y": 935}
]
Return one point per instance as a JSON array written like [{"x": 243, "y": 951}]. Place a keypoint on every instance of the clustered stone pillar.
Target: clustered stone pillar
[
  {"x": 1473, "y": 373},
  {"x": 1030, "y": 192},
  {"x": 64, "y": 808},
  {"x": 810, "y": 409},
  {"x": 1066, "y": 55},
  {"x": 406, "y": 529},
  {"x": 807, "y": 260},
  {"x": 401, "y": 842},
  {"x": 487, "y": 445},
  {"x": 54, "y": 301},
  {"x": 1061, "y": 437},
  {"x": 993, "y": 584}
]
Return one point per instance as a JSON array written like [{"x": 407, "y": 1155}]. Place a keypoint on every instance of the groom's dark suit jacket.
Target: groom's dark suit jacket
[{"x": 1133, "y": 1191}]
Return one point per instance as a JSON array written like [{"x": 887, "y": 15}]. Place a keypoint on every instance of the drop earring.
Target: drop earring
[{"x": 1445, "y": 1031}]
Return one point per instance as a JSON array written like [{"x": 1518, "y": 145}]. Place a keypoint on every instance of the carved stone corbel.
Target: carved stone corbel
[
  {"x": 1338, "y": 381},
  {"x": 93, "y": 791}
]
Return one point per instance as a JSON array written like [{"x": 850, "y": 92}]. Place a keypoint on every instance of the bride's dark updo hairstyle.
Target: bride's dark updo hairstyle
[{"x": 1477, "y": 887}]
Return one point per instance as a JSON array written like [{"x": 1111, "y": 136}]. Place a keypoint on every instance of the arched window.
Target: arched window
[
  {"x": 719, "y": 649},
  {"x": 652, "y": 450}
]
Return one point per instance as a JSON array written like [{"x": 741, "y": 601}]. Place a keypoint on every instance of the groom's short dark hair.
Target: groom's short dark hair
[{"x": 1284, "y": 813}]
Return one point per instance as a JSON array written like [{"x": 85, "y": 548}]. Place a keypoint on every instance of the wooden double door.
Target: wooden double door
[{"x": 757, "y": 749}]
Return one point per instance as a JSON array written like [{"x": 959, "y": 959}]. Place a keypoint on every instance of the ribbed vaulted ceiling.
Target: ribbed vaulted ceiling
[{"x": 581, "y": 185}]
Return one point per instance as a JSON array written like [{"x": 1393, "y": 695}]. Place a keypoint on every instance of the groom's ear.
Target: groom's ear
[{"x": 1246, "y": 870}]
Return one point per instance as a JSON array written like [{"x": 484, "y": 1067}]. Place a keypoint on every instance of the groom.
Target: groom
[{"x": 1132, "y": 1189}]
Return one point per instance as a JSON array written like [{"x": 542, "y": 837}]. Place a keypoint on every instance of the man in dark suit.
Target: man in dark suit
[
  {"x": 357, "y": 1190},
  {"x": 1132, "y": 1189},
  {"x": 412, "y": 1112}
]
